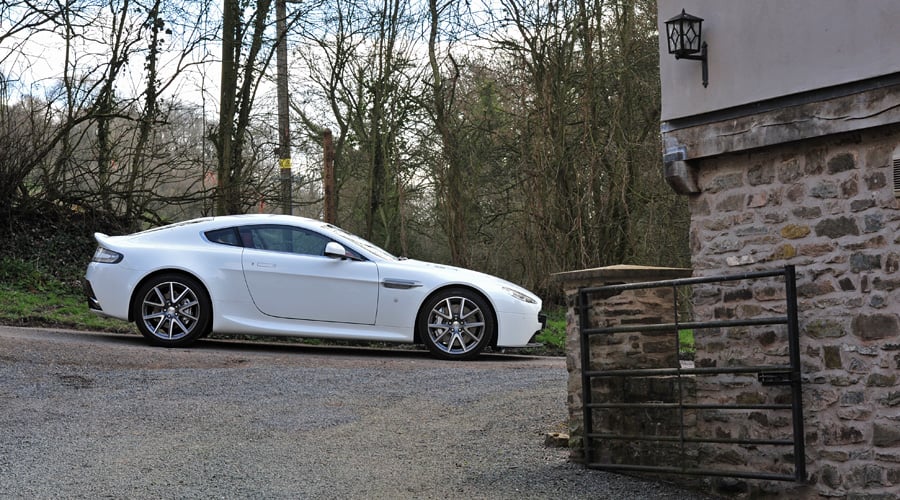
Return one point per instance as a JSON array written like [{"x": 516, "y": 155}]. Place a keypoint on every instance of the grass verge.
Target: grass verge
[
  {"x": 554, "y": 334},
  {"x": 31, "y": 296}
]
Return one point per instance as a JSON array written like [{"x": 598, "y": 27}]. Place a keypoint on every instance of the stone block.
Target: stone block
[
  {"x": 875, "y": 181},
  {"x": 807, "y": 212},
  {"x": 830, "y": 476},
  {"x": 885, "y": 435},
  {"x": 850, "y": 188},
  {"x": 861, "y": 262},
  {"x": 725, "y": 182},
  {"x": 892, "y": 399},
  {"x": 775, "y": 218},
  {"x": 796, "y": 193},
  {"x": 843, "y": 435},
  {"x": 757, "y": 200},
  {"x": 841, "y": 163},
  {"x": 843, "y": 381},
  {"x": 731, "y": 203},
  {"x": 888, "y": 457},
  {"x": 876, "y": 242},
  {"x": 892, "y": 263},
  {"x": 853, "y": 398},
  {"x": 783, "y": 252},
  {"x": 881, "y": 380},
  {"x": 793, "y": 231},
  {"x": 751, "y": 231},
  {"x": 873, "y": 223},
  {"x": 725, "y": 245},
  {"x": 893, "y": 476},
  {"x": 816, "y": 249},
  {"x": 815, "y": 289},
  {"x": 760, "y": 175},
  {"x": 854, "y": 413},
  {"x": 866, "y": 476},
  {"x": 834, "y": 455},
  {"x": 823, "y": 328},
  {"x": 876, "y": 326},
  {"x": 751, "y": 398},
  {"x": 886, "y": 285},
  {"x": 825, "y": 190},
  {"x": 837, "y": 227},
  {"x": 832, "y": 357},
  {"x": 860, "y": 205},
  {"x": 789, "y": 171}
]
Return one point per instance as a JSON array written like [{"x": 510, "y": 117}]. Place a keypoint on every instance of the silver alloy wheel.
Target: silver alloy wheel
[
  {"x": 170, "y": 310},
  {"x": 456, "y": 325}
]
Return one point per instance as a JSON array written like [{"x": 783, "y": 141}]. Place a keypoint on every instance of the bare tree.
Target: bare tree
[{"x": 364, "y": 70}]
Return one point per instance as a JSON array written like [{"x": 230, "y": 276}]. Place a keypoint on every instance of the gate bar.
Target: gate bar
[
  {"x": 772, "y": 442},
  {"x": 653, "y": 372},
  {"x": 778, "y": 320},
  {"x": 693, "y": 472}
]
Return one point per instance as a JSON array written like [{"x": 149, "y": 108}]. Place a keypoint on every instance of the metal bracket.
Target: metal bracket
[{"x": 774, "y": 378}]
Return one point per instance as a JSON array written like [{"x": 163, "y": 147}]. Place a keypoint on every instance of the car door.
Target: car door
[{"x": 288, "y": 276}]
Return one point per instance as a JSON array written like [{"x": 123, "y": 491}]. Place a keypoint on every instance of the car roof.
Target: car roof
[
  {"x": 243, "y": 220},
  {"x": 202, "y": 224}
]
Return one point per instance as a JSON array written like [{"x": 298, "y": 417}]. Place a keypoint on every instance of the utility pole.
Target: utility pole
[
  {"x": 226, "y": 112},
  {"x": 284, "y": 121},
  {"x": 328, "y": 177}
]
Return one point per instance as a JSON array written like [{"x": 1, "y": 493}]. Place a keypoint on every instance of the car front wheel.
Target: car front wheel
[
  {"x": 172, "y": 310},
  {"x": 456, "y": 324}
]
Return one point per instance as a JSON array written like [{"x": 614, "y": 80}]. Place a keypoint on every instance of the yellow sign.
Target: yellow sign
[{"x": 285, "y": 163}]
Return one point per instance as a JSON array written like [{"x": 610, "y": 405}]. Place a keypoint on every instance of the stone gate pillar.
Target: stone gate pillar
[{"x": 636, "y": 306}]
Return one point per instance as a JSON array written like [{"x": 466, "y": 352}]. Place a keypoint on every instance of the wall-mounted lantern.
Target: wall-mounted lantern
[{"x": 685, "y": 41}]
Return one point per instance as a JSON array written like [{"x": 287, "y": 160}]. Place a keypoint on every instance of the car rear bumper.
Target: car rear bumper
[{"x": 92, "y": 302}]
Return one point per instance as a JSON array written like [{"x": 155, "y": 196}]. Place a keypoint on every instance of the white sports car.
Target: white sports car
[{"x": 285, "y": 275}]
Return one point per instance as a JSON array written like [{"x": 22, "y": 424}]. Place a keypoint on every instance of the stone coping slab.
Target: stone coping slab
[{"x": 621, "y": 273}]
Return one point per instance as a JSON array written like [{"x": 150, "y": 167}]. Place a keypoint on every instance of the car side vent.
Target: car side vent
[{"x": 897, "y": 176}]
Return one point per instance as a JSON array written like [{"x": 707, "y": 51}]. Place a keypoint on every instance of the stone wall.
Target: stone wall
[{"x": 826, "y": 206}]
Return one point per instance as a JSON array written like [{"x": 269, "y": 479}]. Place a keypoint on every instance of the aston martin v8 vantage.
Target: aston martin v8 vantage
[{"x": 283, "y": 275}]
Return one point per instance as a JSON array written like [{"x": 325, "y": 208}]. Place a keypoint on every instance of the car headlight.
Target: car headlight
[
  {"x": 106, "y": 256},
  {"x": 519, "y": 295}
]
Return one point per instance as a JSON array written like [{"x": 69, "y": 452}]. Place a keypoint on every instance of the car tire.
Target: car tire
[
  {"x": 172, "y": 310},
  {"x": 456, "y": 323}
]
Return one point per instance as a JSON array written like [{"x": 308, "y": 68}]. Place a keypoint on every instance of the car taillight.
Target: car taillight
[{"x": 106, "y": 256}]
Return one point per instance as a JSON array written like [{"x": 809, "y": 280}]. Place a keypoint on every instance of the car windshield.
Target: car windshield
[{"x": 369, "y": 246}]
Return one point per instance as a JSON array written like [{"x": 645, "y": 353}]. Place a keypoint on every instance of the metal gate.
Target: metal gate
[{"x": 687, "y": 445}]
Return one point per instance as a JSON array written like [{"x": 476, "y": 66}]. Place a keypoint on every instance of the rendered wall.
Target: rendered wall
[{"x": 765, "y": 49}]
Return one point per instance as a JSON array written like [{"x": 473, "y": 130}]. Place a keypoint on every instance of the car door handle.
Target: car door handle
[{"x": 265, "y": 264}]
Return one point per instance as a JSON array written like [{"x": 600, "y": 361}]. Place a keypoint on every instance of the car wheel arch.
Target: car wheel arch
[
  {"x": 417, "y": 334},
  {"x": 133, "y": 301}
]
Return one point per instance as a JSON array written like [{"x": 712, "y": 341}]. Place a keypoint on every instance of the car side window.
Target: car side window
[
  {"x": 284, "y": 239},
  {"x": 227, "y": 236}
]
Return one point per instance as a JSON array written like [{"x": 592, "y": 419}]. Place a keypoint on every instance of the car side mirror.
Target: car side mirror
[{"x": 335, "y": 250}]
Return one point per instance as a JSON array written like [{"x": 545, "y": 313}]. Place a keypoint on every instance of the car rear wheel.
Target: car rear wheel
[
  {"x": 456, "y": 324},
  {"x": 172, "y": 310}
]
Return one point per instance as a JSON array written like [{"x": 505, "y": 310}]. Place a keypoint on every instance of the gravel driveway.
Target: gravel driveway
[{"x": 89, "y": 415}]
